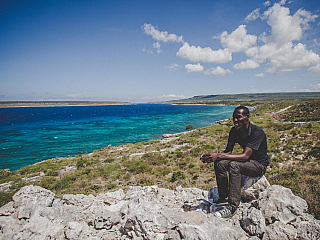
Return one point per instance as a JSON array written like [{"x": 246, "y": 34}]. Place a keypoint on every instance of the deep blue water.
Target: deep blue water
[{"x": 32, "y": 134}]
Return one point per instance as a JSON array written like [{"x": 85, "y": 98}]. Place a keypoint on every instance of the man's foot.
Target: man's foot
[
  {"x": 220, "y": 200},
  {"x": 225, "y": 213}
]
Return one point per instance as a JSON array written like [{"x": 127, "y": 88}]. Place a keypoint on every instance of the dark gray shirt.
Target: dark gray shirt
[{"x": 256, "y": 140}]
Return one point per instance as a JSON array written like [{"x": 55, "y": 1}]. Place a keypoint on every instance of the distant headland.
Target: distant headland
[{"x": 57, "y": 103}]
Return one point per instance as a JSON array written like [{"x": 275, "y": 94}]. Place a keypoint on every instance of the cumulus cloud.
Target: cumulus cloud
[
  {"x": 279, "y": 48},
  {"x": 160, "y": 36},
  {"x": 238, "y": 40},
  {"x": 267, "y": 4},
  {"x": 194, "y": 68},
  {"x": 253, "y": 15},
  {"x": 315, "y": 69},
  {"x": 287, "y": 57},
  {"x": 285, "y": 27},
  {"x": 259, "y": 75},
  {"x": 174, "y": 66},
  {"x": 157, "y": 46},
  {"x": 198, "y": 54},
  {"x": 217, "y": 71},
  {"x": 246, "y": 64}
]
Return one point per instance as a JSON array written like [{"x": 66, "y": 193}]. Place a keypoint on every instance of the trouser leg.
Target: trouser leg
[
  {"x": 250, "y": 168},
  {"x": 221, "y": 168}
]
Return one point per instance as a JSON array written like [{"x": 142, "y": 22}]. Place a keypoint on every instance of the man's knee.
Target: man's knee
[
  {"x": 235, "y": 167},
  {"x": 221, "y": 164}
]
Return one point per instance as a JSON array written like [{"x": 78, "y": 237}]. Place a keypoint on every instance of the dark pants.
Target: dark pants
[{"x": 232, "y": 188}]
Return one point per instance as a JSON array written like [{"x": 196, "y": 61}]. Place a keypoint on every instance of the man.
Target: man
[{"x": 252, "y": 162}]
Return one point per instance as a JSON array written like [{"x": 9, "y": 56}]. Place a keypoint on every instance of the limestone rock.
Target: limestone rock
[
  {"x": 253, "y": 222},
  {"x": 278, "y": 203},
  {"x": 279, "y": 230},
  {"x": 309, "y": 229},
  {"x": 253, "y": 186},
  {"x": 29, "y": 198},
  {"x": 152, "y": 213}
]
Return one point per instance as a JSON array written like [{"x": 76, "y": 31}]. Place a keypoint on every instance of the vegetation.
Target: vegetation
[{"x": 293, "y": 145}]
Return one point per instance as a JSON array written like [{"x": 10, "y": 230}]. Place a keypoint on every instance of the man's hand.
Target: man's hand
[{"x": 209, "y": 157}]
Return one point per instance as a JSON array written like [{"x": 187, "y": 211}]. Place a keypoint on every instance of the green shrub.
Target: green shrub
[
  {"x": 189, "y": 127},
  {"x": 283, "y": 126},
  {"x": 137, "y": 166},
  {"x": 146, "y": 182},
  {"x": 177, "y": 175},
  {"x": 314, "y": 152}
]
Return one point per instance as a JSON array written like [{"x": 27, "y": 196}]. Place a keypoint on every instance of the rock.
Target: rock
[
  {"x": 252, "y": 187},
  {"x": 7, "y": 209},
  {"x": 29, "y": 198},
  {"x": 278, "y": 203},
  {"x": 152, "y": 213},
  {"x": 309, "y": 229},
  {"x": 279, "y": 230},
  {"x": 253, "y": 222},
  {"x": 106, "y": 219},
  {"x": 167, "y": 135}
]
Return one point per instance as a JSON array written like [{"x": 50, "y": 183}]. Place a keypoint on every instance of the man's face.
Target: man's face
[{"x": 240, "y": 119}]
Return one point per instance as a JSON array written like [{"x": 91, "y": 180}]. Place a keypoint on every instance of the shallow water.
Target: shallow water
[{"x": 32, "y": 134}]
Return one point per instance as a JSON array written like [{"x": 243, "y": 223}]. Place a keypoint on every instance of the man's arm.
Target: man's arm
[{"x": 211, "y": 157}]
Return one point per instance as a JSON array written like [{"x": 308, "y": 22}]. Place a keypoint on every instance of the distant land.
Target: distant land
[
  {"x": 202, "y": 99},
  {"x": 246, "y": 97},
  {"x": 56, "y": 103}
]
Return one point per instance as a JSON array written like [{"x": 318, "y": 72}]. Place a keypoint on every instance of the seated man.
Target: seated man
[{"x": 252, "y": 162}]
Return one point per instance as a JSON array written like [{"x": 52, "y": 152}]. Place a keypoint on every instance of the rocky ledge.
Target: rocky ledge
[{"x": 154, "y": 213}]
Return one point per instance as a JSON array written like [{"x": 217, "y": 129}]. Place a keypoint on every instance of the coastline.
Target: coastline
[{"x": 13, "y": 104}]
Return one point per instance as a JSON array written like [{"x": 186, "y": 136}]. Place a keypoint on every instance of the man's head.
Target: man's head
[{"x": 241, "y": 117}]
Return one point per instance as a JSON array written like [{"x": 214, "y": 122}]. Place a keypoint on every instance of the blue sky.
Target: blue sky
[{"x": 140, "y": 51}]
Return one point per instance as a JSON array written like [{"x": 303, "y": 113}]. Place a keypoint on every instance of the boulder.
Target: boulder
[
  {"x": 278, "y": 203},
  {"x": 29, "y": 198}
]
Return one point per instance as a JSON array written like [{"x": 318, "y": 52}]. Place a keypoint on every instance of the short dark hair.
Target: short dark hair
[{"x": 245, "y": 109}]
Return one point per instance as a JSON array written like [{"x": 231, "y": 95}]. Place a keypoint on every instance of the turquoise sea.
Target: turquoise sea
[{"x": 32, "y": 134}]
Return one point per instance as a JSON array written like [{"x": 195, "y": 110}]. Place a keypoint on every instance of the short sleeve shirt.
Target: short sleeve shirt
[{"x": 256, "y": 140}]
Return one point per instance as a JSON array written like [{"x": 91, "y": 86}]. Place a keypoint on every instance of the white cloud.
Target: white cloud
[
  {"x": 164, "y": 97},
  {"x": 238, "y": 40},
  {"x": 217, "y": 71},
  {"x": 174, "y": 66},
  {"x": 315, "y": 69},
  {"x": 315, "y": 87},
  {"x": 267, "y": 4},
  {"x": 288, "y": 57},
  {"x": 278, "y": 49},
  {"x": 157, "y": 46},
  {"x": 259, "y": 75},
  {"x": 160, "y": 36},
  {"x": 285, "y": 27},
  {"x": 194, "y": 68},
  {"x": 253, "y": 15},
  {"x": 246, "y": 64},
  {"x": 147, "y": 50},
  {"x": 198, "y": 54}
]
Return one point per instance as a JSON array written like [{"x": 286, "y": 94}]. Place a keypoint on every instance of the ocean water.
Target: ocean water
[{"x": 32, "y": 134}]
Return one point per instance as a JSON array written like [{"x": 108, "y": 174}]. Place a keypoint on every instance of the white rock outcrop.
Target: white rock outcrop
[{"x": 152, "y": 213}]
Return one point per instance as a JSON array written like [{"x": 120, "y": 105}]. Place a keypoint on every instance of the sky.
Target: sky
[{"x": 146, "y": 51}]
